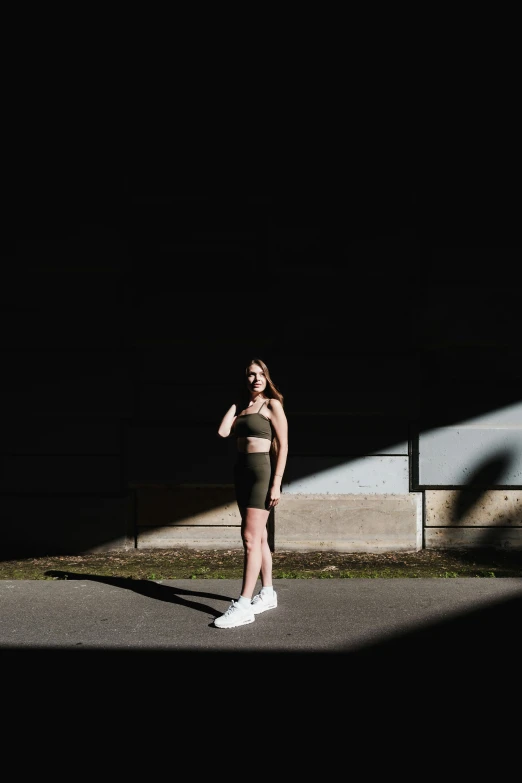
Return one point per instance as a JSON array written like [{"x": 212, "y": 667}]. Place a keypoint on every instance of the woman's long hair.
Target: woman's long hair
[{"x": 271, "y": 391}]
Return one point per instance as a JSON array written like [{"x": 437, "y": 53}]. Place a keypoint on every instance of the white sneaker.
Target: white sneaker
[
  {"x": 260, "y": 602},
  {"x": 234, "y": 616}
]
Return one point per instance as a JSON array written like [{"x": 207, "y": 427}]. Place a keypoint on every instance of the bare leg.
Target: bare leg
[
  {"x": 255, "y": 541},
  {"x": 266, "y": 561}
]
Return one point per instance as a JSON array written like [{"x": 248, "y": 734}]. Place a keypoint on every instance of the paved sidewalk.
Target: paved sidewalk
[
  {"x": 445, "y": 624},
  {"x": 124, "y": 676}
]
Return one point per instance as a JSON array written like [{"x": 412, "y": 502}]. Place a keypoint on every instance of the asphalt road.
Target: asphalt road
[
  {"x": 131, "y": 677},
  {"x": 445, "y": 624}
]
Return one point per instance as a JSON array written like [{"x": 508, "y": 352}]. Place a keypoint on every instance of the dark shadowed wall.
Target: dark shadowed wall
[{"x": 129, "y": 317}]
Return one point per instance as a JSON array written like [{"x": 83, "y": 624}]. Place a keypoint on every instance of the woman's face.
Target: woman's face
[{"x": 256, "y": 379}]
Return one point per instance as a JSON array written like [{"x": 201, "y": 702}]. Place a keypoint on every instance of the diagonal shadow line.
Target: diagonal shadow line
[
  {"x": 148, "y": 589},
  {"x": 485, "y": 475},
  {"x": 468, "y": 656},
  {"x": 482, "y": 641},
  {"x": 487, "y": 634}
]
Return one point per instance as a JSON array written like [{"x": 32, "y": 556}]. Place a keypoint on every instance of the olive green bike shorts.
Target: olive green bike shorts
[{"x": 252, "y": 474}]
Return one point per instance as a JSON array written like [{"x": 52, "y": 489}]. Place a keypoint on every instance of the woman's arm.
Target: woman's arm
[
  {"x": 227, "y": 422},
  {"x": 280, "y": 425}
]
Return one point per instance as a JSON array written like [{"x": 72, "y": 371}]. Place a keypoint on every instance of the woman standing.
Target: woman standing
[{"x": 259, "y": 424}]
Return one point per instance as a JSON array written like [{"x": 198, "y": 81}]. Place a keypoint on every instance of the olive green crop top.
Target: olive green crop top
[{"x": 253, "y": 425}]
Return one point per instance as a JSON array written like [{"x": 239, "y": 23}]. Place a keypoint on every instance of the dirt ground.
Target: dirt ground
[{"x": 160, "y": 564}]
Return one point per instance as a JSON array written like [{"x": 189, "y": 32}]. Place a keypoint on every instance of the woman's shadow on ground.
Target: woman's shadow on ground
[{"x": 158, "y": 592}]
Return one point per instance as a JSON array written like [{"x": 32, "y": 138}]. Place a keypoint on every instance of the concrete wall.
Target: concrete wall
[
  {"x": 67, "y": 391},
  {"x": 400, "y": 367},
  {"x": 485, "y": 450},
  {"x": 362, "y": 506},
  {"x": 472, "y": 517}
]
